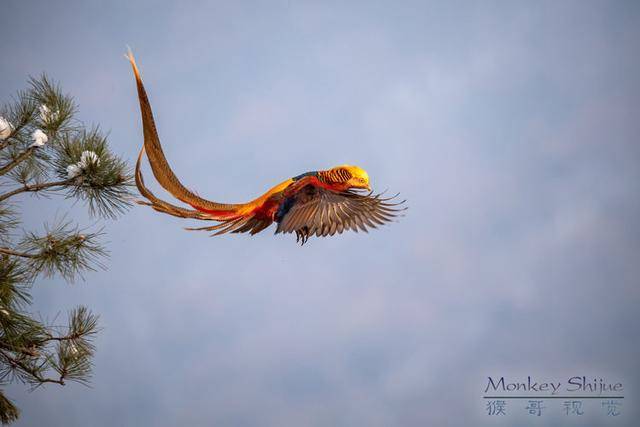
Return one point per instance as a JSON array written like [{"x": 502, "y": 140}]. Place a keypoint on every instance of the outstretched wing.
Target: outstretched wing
[{"x": 321, "y": 212}]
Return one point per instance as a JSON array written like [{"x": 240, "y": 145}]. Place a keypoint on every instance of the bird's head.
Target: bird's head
[{"x": 358, "y": 177}]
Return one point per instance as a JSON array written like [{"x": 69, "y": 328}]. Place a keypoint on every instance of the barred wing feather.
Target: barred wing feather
[{"x": 321, "y": 212}]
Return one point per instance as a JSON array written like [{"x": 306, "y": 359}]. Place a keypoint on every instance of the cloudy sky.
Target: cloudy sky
[{"x": 511, "y": 128}]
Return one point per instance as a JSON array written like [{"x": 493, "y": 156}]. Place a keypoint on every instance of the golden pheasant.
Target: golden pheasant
[{"x": 316, "y": 203}]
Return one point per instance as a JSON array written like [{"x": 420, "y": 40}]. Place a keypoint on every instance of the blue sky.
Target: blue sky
[{"x": 512, "y": 129}]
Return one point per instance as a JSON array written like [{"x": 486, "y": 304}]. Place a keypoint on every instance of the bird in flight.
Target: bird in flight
[{"x": 320, "y": 203}]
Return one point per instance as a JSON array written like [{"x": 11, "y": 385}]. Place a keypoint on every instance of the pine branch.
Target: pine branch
[
  {"x": 63, "y": 249},
  {"x": 104, "y": 179},
  {"x": 17, "y": 349},
  {"x": 8, "y": 221},
  {"x": 21, "y": 112},
  {"x": 78, "y": 162},
  {"x": 82, "y": 325},
  {"x": 5, "y": 143},
  {"x": 60, "y": 108},
  {"x": 14, "y": 283},
  {"x": 15, "y": 162},
  {"x": 8, "y": 411},
  {"x": 35, "y": 187},
  {"x": 8, "y": 251},
  {"x": 32, "y": 371}
]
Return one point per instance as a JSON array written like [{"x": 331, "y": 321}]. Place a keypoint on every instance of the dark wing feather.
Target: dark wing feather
[
  {"x": 320, "y": 212},
  {"x": 252, "y": 224}
]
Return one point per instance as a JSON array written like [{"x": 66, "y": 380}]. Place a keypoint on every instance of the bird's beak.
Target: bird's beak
[{"x": 368, "y": 187}]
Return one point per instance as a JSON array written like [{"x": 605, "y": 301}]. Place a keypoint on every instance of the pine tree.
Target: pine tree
[{"x": 45, "y": 150}]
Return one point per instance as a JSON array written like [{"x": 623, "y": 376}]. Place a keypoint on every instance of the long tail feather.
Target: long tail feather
[
  {"x": 159, "y": 165},
  {"x": 160, "y": 205}
]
